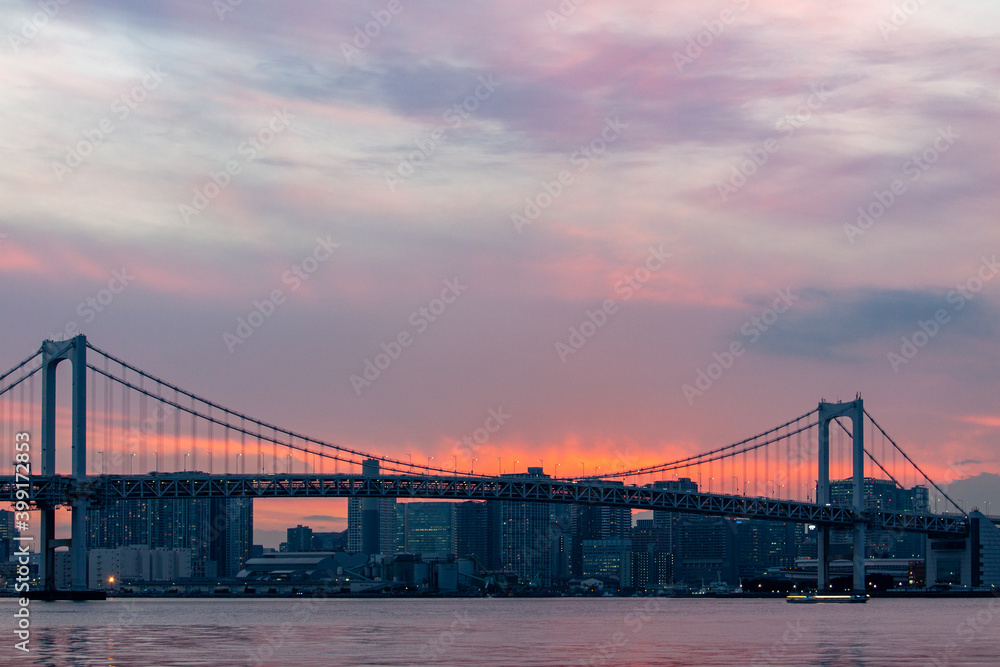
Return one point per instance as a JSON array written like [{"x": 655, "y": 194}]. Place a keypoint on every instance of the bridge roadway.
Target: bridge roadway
[{"x": 61, "y": 489}]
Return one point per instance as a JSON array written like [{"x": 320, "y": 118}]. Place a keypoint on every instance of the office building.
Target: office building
[
  {"x": 472, "y": 531},
  {"x": 7, "y": 535},
  {"x": 765, "y": 544},
  {"x": 299, "y": 538},
  {"x": 669, "y": 522},
  {"x": 528, "y": 543},
  {"x": 217, "y": 531},
  {"x": 652, "y": 562},
  {"x": 610, "y": 558},
  {"x": 704, "y": 550},
  {"x": 371, "y": 522},
  {"x": 427, "y": 527},
  {"x": 886, "y": 496},
  {"x": 596, "y": 522}
]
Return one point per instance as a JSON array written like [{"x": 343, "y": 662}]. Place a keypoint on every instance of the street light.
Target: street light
[
  {"x": 156, "y": 460},
  {"x": 101, "y": 454},
  {"x": 186, "y": 461},
  {"x": 239, "y": 461},
  {"x": 454, "y": 459},
  {"x": 499, "y": 466},
  {"x": 473, "y": 471},
  {"x": 130, "y": 459}
]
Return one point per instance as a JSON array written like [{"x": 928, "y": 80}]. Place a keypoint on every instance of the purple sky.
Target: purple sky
[{"x": 672, "y": 169}]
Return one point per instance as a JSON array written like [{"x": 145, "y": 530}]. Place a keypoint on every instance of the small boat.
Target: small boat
[{"x": 815, "y": 598}]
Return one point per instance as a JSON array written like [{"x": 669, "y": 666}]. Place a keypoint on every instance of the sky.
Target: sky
[{"x": 564, "y": 213}]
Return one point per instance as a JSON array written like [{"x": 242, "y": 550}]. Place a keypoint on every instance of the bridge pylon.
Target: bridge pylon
[
  {"x": 53, "y": 353},
  {"x": 828, "y": 412}
]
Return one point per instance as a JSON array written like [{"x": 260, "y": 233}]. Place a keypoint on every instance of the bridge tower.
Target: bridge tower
[
  {"x": 855, "y": 411},
  {"x": 75, "y": 350}
]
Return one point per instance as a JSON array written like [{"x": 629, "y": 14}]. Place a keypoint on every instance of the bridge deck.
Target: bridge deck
[{"x": 60, "y": 489}]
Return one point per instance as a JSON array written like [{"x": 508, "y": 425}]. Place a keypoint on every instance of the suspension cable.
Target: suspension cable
[
  {"x": 287, "y": 432},
  {"x": 913, "y": 463}
]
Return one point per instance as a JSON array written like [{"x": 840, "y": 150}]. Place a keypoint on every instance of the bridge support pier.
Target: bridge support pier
[
  {"x": 75, "y": 350},
  {"x": 828, "y": 412}
]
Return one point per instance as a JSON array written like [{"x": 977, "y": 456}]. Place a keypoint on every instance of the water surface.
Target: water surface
[{"x": 507, "y": 632}]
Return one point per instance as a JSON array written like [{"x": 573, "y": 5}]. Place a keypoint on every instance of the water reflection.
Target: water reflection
[{"x": 511, "y": 633}]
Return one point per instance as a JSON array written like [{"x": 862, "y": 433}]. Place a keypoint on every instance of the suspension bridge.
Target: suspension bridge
[{"x": 136, "y": 436}]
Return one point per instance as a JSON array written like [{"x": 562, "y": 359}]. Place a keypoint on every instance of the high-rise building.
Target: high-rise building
[
  {"x": 300, "y": 538},
  {"x": 705, "y": 550},
  {"x": 217, "y": 531},
  {"x": 886, "y": 496},
  {"x": 231, "y": 535},
  {"x": 765, "y": 544},
  {"x": 119, "y": 523},
  {"x": 651, "y": 569},
  {"x": 669, "y": 522},
  {"x": 7, "y": 534},
  {"x": 596, "y": 522},
  {"x": 652, "y": 562},
  {"x": 371, "y": 522},
  {"x": 608, "y": 558},
  {"x": 528, "y": 541},
  {"x": 427, "y": 527},
  {"x": 472, "y": 531}
]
